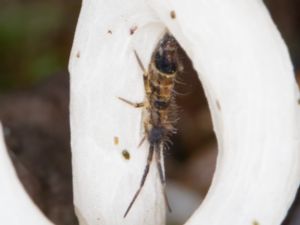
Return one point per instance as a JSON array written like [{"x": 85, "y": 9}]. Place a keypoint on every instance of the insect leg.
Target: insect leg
[
  {"x": 140, "y": 63},
  {"x": 142, "y": 141},
  {"x": 136, "y": 105},
  {"x": 161, "y": 175},
  {"x": 140, "y": 104},
  {"x": 146, "y": 171}
]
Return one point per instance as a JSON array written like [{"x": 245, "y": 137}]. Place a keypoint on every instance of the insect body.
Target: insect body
[{"x": 159, "y": 105}]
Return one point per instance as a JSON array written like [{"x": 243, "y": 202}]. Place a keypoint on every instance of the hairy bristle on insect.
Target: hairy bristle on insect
[{"x": 159, "y": 104}]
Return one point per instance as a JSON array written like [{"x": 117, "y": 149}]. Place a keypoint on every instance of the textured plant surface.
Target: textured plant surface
[
  {"x": 243, "y": 65},
  {"x": 248, "y": 79}
]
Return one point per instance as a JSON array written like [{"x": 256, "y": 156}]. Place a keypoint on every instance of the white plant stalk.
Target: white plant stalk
[
  {"x": 16, "y": 207},
  {"x": 246, "y": 72}
]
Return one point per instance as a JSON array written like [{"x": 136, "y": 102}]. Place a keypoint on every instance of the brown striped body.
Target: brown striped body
[
  {"x": 159, "y": 86},
  {"x": 159, "y": 106}
]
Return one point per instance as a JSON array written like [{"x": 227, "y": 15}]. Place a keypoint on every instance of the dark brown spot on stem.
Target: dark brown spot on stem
[
  {"x": 255, "y": 222},
  {"x": 298, "y": 101},
  {"x": 78, "y": 54},
  {"x": 126, "y": 154},
  {"x": 173, "y": 14},
  {"x": 133, "y": 30},
  {"x": 109, "y": 32}
]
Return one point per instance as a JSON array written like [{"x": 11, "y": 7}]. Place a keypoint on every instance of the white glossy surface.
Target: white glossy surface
[{"x": 242, "y": 63}]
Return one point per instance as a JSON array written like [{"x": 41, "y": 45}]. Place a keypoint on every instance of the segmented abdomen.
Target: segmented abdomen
[{"x": 160, "y": 87}]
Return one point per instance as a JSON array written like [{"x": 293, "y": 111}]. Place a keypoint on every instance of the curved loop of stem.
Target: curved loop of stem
[
  {"x": 246, "y": 72},
  {"x": 16, "y": 207}
]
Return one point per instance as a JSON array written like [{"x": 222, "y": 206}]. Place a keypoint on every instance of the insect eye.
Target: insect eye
[{"x": 164, "y": 65}]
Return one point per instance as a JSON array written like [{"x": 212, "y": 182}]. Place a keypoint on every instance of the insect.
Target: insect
[{"x": 159, "y": 105}]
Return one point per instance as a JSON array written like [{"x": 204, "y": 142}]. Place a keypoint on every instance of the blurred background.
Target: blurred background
[{"x": 35, "y": 42}]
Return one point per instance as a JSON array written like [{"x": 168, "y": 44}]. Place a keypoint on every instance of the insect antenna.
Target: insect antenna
[
  {"x": 146, "y": 171},
  {"x": 161, "y": 174}
]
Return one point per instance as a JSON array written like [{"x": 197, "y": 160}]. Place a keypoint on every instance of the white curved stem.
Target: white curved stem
[
  {"x": 16, "y": 207},
  {"x": 245, "y": 69},
  {"x": 103, "y": 67}
]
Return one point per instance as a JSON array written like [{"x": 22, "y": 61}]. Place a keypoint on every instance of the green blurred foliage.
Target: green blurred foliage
[
  {"x": 36, "y": 37},
  {"x": 35, "y": 40}
]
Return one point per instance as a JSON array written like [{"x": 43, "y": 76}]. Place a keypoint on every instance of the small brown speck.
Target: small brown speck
[
  {"x": 133, "y": 29},
  {"x": 255, "y": 222},
  {"x": 109, "y": 32},
  {"x": 173, "y": 14},
  {"x": 78, "y": 54},
  {"x": 218, "y": 105},
  {"x": 126, "y": 154},
  {"x": 116, "y": 140},
  {"x": 298, "y": 101}
]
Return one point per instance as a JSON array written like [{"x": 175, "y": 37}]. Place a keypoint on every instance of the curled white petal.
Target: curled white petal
[{"x": 16, "y": 207}]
